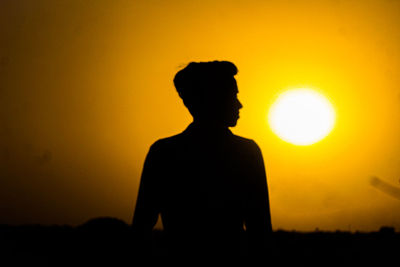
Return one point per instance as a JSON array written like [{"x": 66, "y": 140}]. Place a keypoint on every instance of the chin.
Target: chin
[{"x": 232, "y": 123}]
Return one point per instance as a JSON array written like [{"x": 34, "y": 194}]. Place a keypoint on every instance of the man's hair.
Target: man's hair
[{"x": 199, "y": 80}]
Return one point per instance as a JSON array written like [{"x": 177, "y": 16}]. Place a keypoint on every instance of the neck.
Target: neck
[{"x": 209, "y": 124}]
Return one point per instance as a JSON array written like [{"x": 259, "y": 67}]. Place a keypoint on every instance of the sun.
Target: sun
[{"x": 301, "y": 116}]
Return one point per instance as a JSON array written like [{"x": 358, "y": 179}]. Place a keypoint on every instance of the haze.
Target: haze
[{"x": 86, "y": 87}]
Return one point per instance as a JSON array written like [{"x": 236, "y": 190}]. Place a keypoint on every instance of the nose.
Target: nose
[{"x": 239, "y": 104}]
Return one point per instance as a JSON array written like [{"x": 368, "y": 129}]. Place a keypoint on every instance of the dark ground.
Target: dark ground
[{"x": 109, "y": 241}]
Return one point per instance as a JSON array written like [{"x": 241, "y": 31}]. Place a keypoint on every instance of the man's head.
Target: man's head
[{"x": 209, "y": 91}]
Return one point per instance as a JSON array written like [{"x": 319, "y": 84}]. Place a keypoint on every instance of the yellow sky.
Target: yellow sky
[{"x": 86, "y": 87}]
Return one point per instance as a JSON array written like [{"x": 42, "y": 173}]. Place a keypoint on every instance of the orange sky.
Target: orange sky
[{"x": 86, "y": 87}]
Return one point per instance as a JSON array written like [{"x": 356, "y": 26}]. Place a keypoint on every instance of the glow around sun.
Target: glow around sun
[{"x": 301, "y": 116}]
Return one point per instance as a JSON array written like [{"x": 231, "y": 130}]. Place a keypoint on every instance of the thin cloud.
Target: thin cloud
[{"x": 385, "y": 187}]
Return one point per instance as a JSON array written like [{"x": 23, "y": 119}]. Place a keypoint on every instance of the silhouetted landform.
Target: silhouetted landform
[{"x": 110, "y": 241}]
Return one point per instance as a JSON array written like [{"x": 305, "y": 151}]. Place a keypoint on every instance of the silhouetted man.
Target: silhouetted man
[{"x": 206, "y": 183}]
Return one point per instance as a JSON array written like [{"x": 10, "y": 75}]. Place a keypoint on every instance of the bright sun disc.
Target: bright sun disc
[{"x": 301, "y": 116}]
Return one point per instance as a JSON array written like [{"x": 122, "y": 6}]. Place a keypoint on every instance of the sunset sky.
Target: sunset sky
[{"x": 86, "y": 87}]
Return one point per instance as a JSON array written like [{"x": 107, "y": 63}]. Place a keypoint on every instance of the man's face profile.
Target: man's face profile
[
  {"x": 230, "y": 106},
  {"x": 209, "y": 90}
]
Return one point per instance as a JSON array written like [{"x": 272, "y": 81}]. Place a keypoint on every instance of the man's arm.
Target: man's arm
[
  {"x": 258, "y": 217},
  {"x": 147, "y": 205}
]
